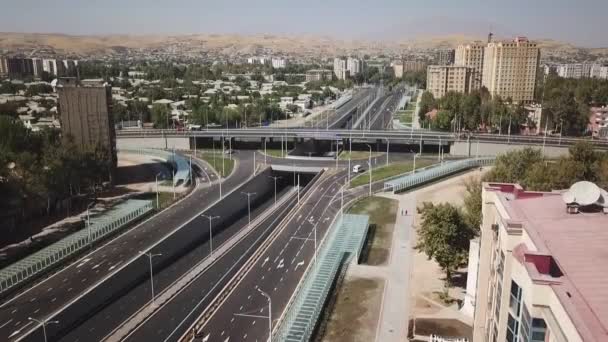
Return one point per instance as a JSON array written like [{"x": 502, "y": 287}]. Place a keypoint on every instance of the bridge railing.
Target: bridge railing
[
  {"x": 179, "y": 163},
  {"x": 421, "y": 176},
  {"x": 99, "y": 227}
]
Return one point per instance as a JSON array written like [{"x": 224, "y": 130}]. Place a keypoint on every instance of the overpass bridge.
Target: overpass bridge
[{"x": 395, "y": 140}]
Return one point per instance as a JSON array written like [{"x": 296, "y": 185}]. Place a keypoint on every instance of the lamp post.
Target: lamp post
[
  {"x": 388, "y": 144},
  {"x": 249, "y": 194},
  {"x": 210, "y": 218},
  {"x": 415, "y": 155},
  {"x": 89, "y": 224},
  {"x": 157, "y": 202},
  {"x": 150, "y": 256},
  {"x": 370, "y": 168},
  {"x": 275, "y": 188},
  {"x": 269, "y": 313},
  {"x": 43, "y": 323}
]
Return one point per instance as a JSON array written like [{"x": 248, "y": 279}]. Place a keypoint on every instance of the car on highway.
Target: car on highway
[{"x": 357, "y": 168}]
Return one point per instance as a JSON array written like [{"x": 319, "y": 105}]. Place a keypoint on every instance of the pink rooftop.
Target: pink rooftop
[{"x": 579, "y": 245}]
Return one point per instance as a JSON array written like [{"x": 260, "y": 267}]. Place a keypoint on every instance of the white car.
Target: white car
[{"x": 357, "y": 168}]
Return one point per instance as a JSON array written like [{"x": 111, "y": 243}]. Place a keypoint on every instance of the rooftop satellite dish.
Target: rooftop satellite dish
[
  {"x": 585, "y": 193},
  {"x": 568, "y": 197},
  {"x": 603, "y": 200}
]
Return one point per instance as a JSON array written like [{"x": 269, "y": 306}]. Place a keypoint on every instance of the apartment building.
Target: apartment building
[
  {"x": 318, "y": 75},
  {"x": 341, "y": 68},
  {"x": 471, "y": 56},
  {"x": 412, "y": 66},
  {"x": 599, "y": 71},
  {"x": 445, "y": 57},
  {"x": 510, "y": 69},
  {"x": 279, "y": 63},
  {"x": 397, "y": 68},
  {"x": 574, "y": 70},
  {"x": 86, "y": 115},
  {"x": 538, "y": 268},
  {"x": 443, "y": 78},
  {"x": 354, "y": 66},
  {"x": 3, "y": 67}
]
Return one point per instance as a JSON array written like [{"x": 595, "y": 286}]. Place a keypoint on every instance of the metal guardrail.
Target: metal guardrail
[
  {"x": 345, "y": 238},
  {"x": 421, "y": 176},
  {"x": 114, "y": 219},
  {"x": 181, "y": 165}
]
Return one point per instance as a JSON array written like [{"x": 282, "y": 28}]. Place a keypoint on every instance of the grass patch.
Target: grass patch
[
  {"x": 382, "y": 214},
  {"x": 358, "y": 155},
  {"x": 215, "y": 160},
  {"x": 405, "y": 116},
  {"x": 391, "y": 170}
]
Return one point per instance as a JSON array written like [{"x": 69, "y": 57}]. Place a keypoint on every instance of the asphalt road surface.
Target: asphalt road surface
[
  {"x": 279, "y": 270},
  {"x": 65, "y": 286}
]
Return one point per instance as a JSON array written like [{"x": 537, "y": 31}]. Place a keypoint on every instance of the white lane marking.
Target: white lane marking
[
  {"x": 12, "y": 312},
  {"x": 206, "y": 338},
  {"x": 7, "y": 322},
  {"x": 281, "y": 264},
  {"x": 83, "y": 262},
  {"x": 265, "y": 261},
  {"x": 301, "y": 263}
]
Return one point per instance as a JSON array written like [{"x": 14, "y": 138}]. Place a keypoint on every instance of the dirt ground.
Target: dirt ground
[
  {"x": 427, "y": 278},
  {"x": 355, "y": 312}
]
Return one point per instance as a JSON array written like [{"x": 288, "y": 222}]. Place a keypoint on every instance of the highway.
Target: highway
[
  {"x": 343, "y": 115},
  {"x": 63, "y": 289},
  {"x": 279, "y": 269}
]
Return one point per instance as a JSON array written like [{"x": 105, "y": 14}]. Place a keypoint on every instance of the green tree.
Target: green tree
[
  {"x": 472, "y": 202},
  {"x": 444, "y": 236},
  {"x": 160, "y": 115},
  {"x": 511, "y": 167},
  {"x": 427, "y": 103}
]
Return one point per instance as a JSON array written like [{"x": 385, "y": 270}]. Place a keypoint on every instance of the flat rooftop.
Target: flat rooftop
[{"x": 579, "y": 245}]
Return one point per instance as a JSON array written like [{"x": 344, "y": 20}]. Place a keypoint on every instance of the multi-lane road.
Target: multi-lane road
[{"x": 65, "y": 287}]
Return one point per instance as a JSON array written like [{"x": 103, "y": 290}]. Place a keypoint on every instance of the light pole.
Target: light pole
[
  {"x": 43, "y": 323},
  {"x": 89, "y": 224},
  {"x": 210, "y": 218},
  {"x": 388, "y": 144},
  {"x": 249, "y": 194},
  {"x": 157, "y": 202},
  {"x": 370, "y": 169},
  {"x": 275, "y": 188},
  {"x": 150, "y": 256},
  {"x": 350, "y": 153},
  {"x": 269, "y": 313},
  {"x": 415, "y": 155}
]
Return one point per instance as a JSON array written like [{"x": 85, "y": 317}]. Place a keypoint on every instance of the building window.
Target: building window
[
  {"x": 515, "y": 300},
  {"x": 512, "y": 325},
  {"x": 539, "y": 329}
]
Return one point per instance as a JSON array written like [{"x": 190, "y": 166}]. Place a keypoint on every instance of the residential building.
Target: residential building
[
  {"x": 354, "y": 66},
  {"x": 598, "y": 121},
  {"x": 50, "y": 66},
  {"x": 443, "y": 78},
  {"x": 37, "y": 67},
  {"x": 445, "y": 57},
  {"x": 19, "y": 67},
  {"x": 3, "y": 67},
  {"x": 471, "y": 56},
  {"x": 574, "y": 70},
  {"x": 341, "y": 68},
  {"x": 510, "y": 69},
  {"x": 599, "y": 71},
  {"x": 398, "y": 68},
  {"x": 540, "y": 266},
  {"x": 318, "y": 75},
  {"x": 413, "y": 66},
  {"x": 86, "y": 116},
  {"x": 279, "y": 63}
]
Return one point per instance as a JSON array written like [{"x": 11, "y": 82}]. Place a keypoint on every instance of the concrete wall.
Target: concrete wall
[
  {"x": 469, "y": 149},
  {"x": 177, "y": 143}
]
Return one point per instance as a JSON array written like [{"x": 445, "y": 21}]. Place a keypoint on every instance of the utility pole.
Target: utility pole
[
  {"x": 370, "y": 169},
  {"x": 89, "y": 226},
  {"x": 43, "y": 323},
  {"x": 275, "y": 188},
  {"x": 157, "y": 201}
]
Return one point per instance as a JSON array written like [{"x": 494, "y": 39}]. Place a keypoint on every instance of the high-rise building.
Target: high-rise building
[
  {"x": 354, "y": 66},
  {"x": 50, "y": 66},
  {"x": 318, "y": 75},
  {"x": 510, "y": 69},
  {"x": 443, "y": 78},
  {"x": 341, "y": 68},
  {"x": 445, "y": 57},
  {"x": 471, "y": 56},
  {"x": 3, "y": 67},
  {"x": 38, "y": 67},
  {"x": 279, "y": 63},
  {"x": 540, "y": 267},
  {"x": 86, "y": 116},
  {"x": 19, "y": 67},
  {"x": 412, "y": 66},
  {"x": 397, "y": 68}
]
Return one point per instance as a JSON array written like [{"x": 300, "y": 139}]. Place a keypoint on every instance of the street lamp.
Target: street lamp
[
  {"x": 275, "y": 188},
  {"x": 415, "y": 155},
  {"x": 269, "y": 312},
  {"x": 89, "y": 224},
  {"x": 43, "y": 323},
  {"x": 249, "y": 194},
  {"x": 150, "y": 256},
  {"x": 370, "y": 168},
  {"x": 210, "y": 218},
  {"x": 388, "y": 144}
]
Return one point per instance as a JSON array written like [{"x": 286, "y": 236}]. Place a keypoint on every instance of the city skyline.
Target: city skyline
[{"x": 355, "y": 19}]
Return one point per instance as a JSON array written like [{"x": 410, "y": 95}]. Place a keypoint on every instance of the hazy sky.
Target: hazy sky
[{"x": 582, "y": 22}]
